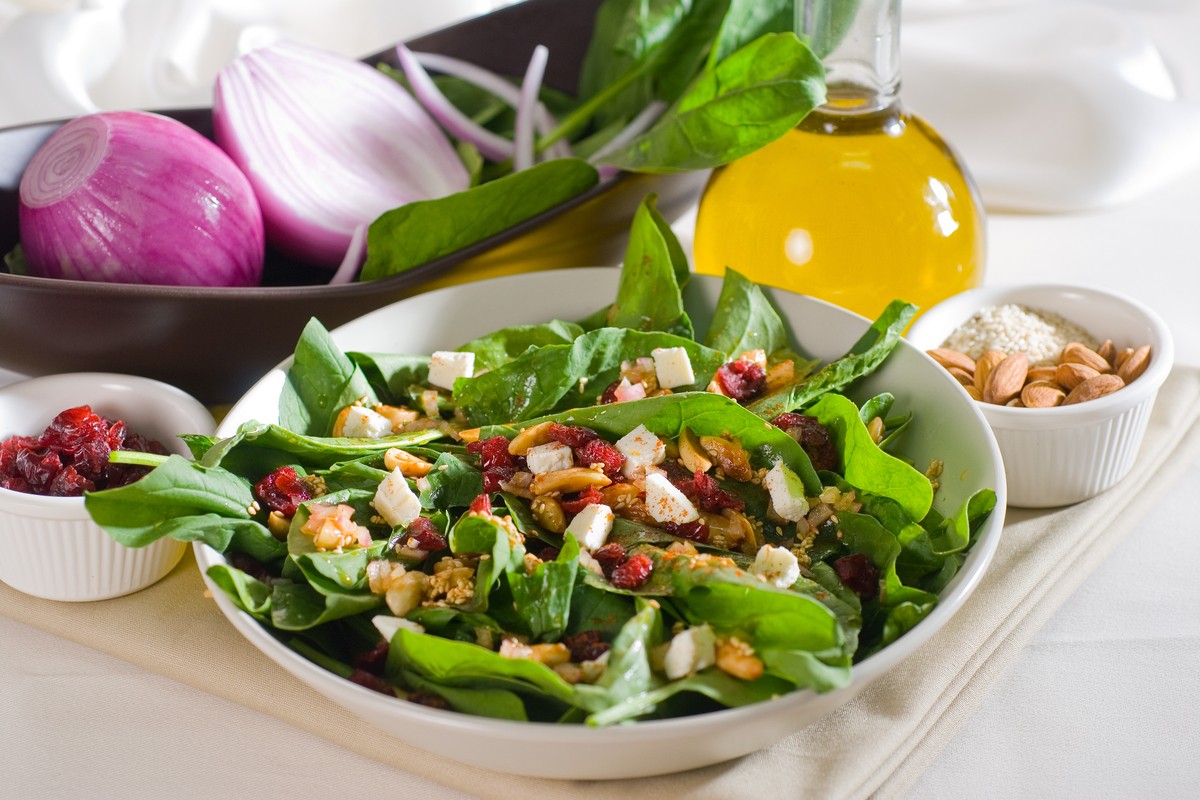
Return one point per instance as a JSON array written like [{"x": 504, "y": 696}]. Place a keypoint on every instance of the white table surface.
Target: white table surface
[{"x": 1104, "y": 703}]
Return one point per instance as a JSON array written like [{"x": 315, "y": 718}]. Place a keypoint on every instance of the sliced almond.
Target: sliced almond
[
  {"x": 952, "y": 358},
  {"x": 1071, "y": 375},
  {"x": 1093, "y": 388},
  {"x": 1132, "y": 367},
  {"x": 984, "y": 366},
  {"x": 1042, "y": 394},
  {"x": 1077, "y": 353},
  {"x": 1005, "y": 381}
]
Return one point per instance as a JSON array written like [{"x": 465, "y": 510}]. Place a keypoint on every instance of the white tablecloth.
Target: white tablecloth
[{"x": 1103, "y": 703}]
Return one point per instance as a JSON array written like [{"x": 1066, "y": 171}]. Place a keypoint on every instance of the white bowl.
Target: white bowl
[
  {"x": 947, "y": 426},
  {"x": 1063, "y": 455},
  {"x": 49, "y": 546}
]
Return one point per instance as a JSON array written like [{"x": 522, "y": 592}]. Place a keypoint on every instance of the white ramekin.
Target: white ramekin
[
  {"x": 49, "y": 546},
  {"x": 1058, "y": 456}
]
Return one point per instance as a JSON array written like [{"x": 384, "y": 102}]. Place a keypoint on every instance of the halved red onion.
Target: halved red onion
[
  {"x": 531, "y": 86},
  {"x": 135, "y": 197},
  {"x": 329, "y": 144}
]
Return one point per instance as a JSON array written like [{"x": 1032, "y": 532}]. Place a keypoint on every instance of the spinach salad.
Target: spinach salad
[{"x": 592, "y": 521}]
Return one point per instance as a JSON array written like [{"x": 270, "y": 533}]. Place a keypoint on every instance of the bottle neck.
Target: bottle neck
[{"x": 858, "y": 41}]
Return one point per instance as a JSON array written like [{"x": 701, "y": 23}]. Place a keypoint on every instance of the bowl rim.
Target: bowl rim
[
  {"x": 165, "y": 394},
  {"x": 936, "y": 323},
  {"x": 863, "y": 673}
]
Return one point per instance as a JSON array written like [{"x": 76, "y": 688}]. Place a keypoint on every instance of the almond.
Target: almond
[
  {"x": 1132, "y": 367},
  {"x": 1042, "y": 394},
  {"x": 962, "y": 376},
  {"x": 1005, "y": 381},
  {"x": 1048, "y": 373},
  {"x": 984, "y": 366},
  {"x": 1094, "y": 387},
  {"x": 1077, "y": 353},
  {"x": 1071, "y": 375},
  {"x": 975, "y": 393},
  {"x": 1121, "y": 355},
  {"x": 1107, "y": 351},
  {"x": 952, "y": 358}
]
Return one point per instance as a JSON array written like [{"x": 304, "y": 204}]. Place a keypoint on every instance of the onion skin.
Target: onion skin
[
  {"x": 328, "y": 144},
  {"x": 136, "y": 197}
]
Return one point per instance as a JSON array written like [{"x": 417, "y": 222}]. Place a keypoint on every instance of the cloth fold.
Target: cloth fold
[{"x": 879, "y": 743}]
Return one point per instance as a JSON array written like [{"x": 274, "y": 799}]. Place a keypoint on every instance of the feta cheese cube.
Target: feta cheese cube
[
  {"x": 690, "y": 650},
  {"x": 363, "y": 423},
  {"x": 666, "y": 503},
  {"x": 673, "y": 367},
  {"x": 447, "y": 365},
  {"x": 549, "y": 457},
  {"x": 395, "y": 502},
  {"x": 787, "y": 492},
  {"x": 591, "y": 526},
  {"x": 777, "y": 565},
  {"x": 641, "y": 449}
]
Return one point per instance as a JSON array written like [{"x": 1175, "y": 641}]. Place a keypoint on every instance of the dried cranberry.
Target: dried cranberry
[
  {"x": 812, "y": 436},
  {"x": 429, "y": 700},
  {"x": 251, "y": 566},
  {"x": 373, "y": 660},
  {"x": 371, "y": 681},
  {"x": 586, "y": 645},
  {"x": 589, "y": 496},
  {"x": 69, "y": 483},
  {"x": 282, "y": 491},
  {"x": 633, "y": 573},
  {"x": 609, "y": 556},
  {"x": 696, "y": 530},
  {"x": 609, "y": 395},
  {"x": 598, "y": 451},
  {"x": 742, "y": 380},
  {"x": 709, "y": 495},
  {"x": 38, "y": 467},
  {"x": 482, "y": 504},
  {"x": 422, "y": 534},
  {"x": 858, "y": 574},
  {"x": 548, "y": 553},
  {"x": 498, "y": 465},
  {"x": 574, "y": 435}
]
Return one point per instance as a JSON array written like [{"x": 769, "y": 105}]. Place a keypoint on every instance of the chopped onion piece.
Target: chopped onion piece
[
  {"x": 544, "y": 121},
  {"x": 329, "y": 143},
  {"x": 491, "y": 145},
  {"x": 356, "y": 254},
  {"x": 636, "y": 127},
  {"x": 523, "y": 127}
]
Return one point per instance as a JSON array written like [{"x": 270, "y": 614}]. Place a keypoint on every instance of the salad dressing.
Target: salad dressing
[{"x": 863, "y": 201}]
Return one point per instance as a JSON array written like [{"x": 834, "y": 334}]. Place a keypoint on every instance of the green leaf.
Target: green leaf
[
  {"x": 746, "y": 20},
  {"x": 747, "y": 101},
  {"x": 745, "y": 320},
  {"x": 453, "y": 483},
  {"x": 299, "y": 606},
  {"x": 542, "y": 598},
  {"x": 248, "y": 593},
  {"x": 502, "y": 346},
  {"x": 557, "y": 377},
  {"x": 655, "y": 267},
  {"x": 482, "y": 534},
  {"x": 492, "y": 703},
  {"x": 420, "y": 232},
  {"x": 867, "y": 467},
  {"x": 321, "y": 381},
  {"x": 871, "y": 350}
]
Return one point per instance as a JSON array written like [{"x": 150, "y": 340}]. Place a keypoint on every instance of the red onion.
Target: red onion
[
  {"x": 329, "y": 144},
  {"x": 134, "y": 197},
  {"x": 523, "y": 154}
]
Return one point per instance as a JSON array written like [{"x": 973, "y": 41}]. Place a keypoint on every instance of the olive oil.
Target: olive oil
[
  {"x": 853, "y": 210},
  {"x": 862, "y": 202}
]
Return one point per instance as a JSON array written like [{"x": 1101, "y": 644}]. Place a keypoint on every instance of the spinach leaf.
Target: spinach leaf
[
  {"x": 568, "y": 376},
  {"x": 321, "y": 381},
  {"x": 498, "y": 348},
  {"x": 628, "y": 672},
  {"x": 299, "y": 606},
  {"x": 747, "y": 101},
  {"x": 871, "y": 349},
  {"x": 867, "y": 467},
  {"x": 453, "y": 483},
  {"x": 655, "y": 269},
  {"x": 485, "y": 535},
  {"x": 712, "y": 683},
  {"x": 542, "y": 598},
  {"x": 420, "y": 232},
  {"x": 392, "y": 374},
  {"x": 746, "y": 20},
  {"x": 248, "y": 593},
  {"x": 595, "y": 608},
  {"x": 493, "y": 703},
  {"x": 745, "y": 320}
]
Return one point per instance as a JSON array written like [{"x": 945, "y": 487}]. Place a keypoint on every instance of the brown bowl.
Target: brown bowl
[{"x": 215, "y": 342}]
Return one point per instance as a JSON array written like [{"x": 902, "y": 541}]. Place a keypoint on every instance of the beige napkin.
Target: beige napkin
[{"x": 879, "y": 743}]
